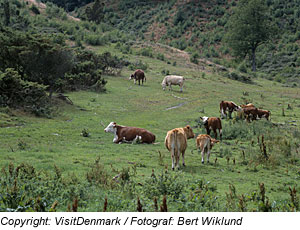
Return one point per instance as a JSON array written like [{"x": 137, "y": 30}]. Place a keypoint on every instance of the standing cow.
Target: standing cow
[
  {"x": 176, "y": 143},
  {"x": 173, "y": 80},
  {"x": 204, "y": 144},
  {"x": 129, "y": 134},
  {"x": 230, "y": 106},
  {"x": 138, "y": 75},
  {"x": 212, "y": 123}
]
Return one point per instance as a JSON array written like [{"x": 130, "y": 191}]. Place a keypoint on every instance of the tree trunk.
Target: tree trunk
[{"x": 253, "y": 59}]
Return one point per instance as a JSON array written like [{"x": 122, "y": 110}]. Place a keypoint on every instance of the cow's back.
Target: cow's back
[
  {"x": 214, "y": 122},
  {"x": 176, "y": 136},
  {"x": 139, "y": 74}
]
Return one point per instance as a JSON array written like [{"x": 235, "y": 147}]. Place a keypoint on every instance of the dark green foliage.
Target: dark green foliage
[
  {"x": 249, "y": 27},
  {"x": 69, "y": 5},
  {"x": 86, "y": 72},
  {"x": 95, "y": 13},
  {"x": 16, "y": 93}
]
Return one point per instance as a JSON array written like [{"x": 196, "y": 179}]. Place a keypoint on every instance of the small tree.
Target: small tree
[{"x": 249, "y": 27}]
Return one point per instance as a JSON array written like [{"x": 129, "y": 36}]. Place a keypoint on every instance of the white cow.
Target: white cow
[{"x": 172, "y": 80}]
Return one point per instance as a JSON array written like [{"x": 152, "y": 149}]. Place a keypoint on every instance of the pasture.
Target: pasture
[{"x": 237, "y": 164}]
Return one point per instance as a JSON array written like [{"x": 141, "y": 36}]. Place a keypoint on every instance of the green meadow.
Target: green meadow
[{"x": 83, "y": 168}]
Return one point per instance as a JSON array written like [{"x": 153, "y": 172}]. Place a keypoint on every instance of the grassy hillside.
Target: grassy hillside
[
  {"x": 49, "y": 163},
  {"x": 57, "y": 143}
]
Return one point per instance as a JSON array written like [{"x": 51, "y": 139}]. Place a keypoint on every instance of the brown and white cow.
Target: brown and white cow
[
  {"x": 204, "y": 144},
  {"x": 263, "y": 113},
  {"x": 213, "y": 123},
  {"x": 176, "y": 143},
  {"x": 129, "y": 134},
  {"x": 138, "y": 75},
  {"x": 230, "y": 106},
  {"x": 173, "y": 80}
]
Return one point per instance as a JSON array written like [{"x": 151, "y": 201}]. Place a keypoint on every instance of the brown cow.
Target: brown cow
[
  {"x": 176, "y": 143},
  {"x": 138, "y": 75},
  {"x": 230, "y": 106},
  {"x": 247, "y": 105},
  {"x": 129, "y": 134},
  {"x": 263, "y": 113},
  {"x": 250, "y": 113},
  {"x": 204, "y": 144},
  {"x": 213, "y": 123}
]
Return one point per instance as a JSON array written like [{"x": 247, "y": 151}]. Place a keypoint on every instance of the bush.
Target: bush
[{"x": 17, "y": 93}]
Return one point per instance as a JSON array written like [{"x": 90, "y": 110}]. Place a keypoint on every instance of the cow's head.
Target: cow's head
[
  {"x": 111, "y": 127},
  {"x": 189, "y": 132},
  {"x": 131, "y": 77},
  {"x": 213, "y": 141},
  {"x": 204, "y": 120}
]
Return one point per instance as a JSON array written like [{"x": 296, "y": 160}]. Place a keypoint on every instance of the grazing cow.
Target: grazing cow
[
  {"x": 213, "y": 123},
  {"x": 204, "y": 144},
  {"x": 230, "y": 106},
  {"x": 250, "y": 113},
  {"x": 129, "y": 134},
  {"x": 263, "y": 113},
  {"x": 138, "y": 75},
  {"x": 173, "y": 80},
  {"x": 247, "y": 106},
  {"x": 176, "y": 143}
]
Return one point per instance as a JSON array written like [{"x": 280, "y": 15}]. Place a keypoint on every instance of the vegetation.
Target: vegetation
[
  {"x": 249, "y": 27},
  {"x": 75, "y": 72}
]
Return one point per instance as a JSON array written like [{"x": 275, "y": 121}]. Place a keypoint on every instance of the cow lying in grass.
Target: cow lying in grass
[
  {"x": 176, "y": 143},
  {"x": 204, "y": 144},
  {"x": 173, "y": 80},
  {"x": 129, "y": 134}
]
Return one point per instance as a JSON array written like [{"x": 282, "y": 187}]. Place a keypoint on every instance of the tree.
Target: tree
[
  {"x": 249, "y": 27},
  {"x": 95, "y": 13}
]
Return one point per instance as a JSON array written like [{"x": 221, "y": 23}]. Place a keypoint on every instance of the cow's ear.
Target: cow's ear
[
  {"x": 114, "y": 124},
  {"x": 201, "y": 118}
]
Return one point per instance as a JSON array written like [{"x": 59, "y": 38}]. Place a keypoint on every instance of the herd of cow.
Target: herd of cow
[{"x": 176, "y": 139}]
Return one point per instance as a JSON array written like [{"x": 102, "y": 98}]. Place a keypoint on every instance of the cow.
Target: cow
[
  {"x": 263, "y": 113},
  {"x": 251, "y": 113},
  {"x": 176, "y": 143},
  {"x": 212, "y": 123},
  {"x": 230, "y": 106},
  {"x": 247, "y": 105},
  {"x": 173, "y": 80},
  {"x": 204, "y": 144},
  {"x": 129, "y": 134},
  {"x": 138, "y": 75}
]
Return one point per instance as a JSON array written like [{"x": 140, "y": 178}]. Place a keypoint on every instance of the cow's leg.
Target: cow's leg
[
  {"x": 220, "y": 132},
  {"x": 183, "y": 163},
  {"x": 134, "y": 81},
  {"x": 223, "y": 114},
  {"x": 170, "y": 87},
  {"x": 173, "y": 156},
  {"x": 139, "y": 81},
  {"x": 202, "y": 155},
  {"x": 216, "y": 134},
  {"x": 229, "y": 113},
  {"x": 208, "y": 131},
  {"x": 181, "y": 86},
  {"x": 208, "y": 154}
]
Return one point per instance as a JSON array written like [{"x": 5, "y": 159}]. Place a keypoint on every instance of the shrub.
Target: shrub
[{"x": 17, "y": 93}]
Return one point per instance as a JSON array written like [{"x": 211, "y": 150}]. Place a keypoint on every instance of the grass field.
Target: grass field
[{"x": 43, "y": 143}]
